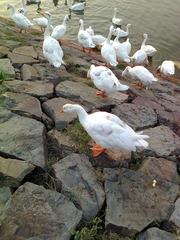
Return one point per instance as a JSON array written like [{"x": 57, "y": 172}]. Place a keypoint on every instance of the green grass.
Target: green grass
[{"x": 3, "y": 76}]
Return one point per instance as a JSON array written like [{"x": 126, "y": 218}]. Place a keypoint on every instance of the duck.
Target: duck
[
  {"x": 52, "y": 51},
  {"x": 90, "y": 30},
  {"x": 139, "y": 73},
  {"x": 59, "y": 31},
  {"x": 121, "y": 49},
  {"x": 122, "y": 33},
  {"x": 21, "y": 21},
  {"x": 84, "y": 38},
  {"x": 105, "y": 80},
  {"x": 149, "y": 50},
  {"x": 115, "y": 20},
  {"x": 107, "y": 130},
  {"x": 108, "y": 52},
  {"x": 167, "y": 68},
  {"x": 23, "y": 10},
  {"x": 139, "y": 58}
]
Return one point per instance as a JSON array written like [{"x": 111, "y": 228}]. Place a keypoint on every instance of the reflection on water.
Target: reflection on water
[{"x": 159, "y": 18}]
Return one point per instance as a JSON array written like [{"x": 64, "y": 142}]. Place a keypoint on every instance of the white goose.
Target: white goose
[
  {"x": 84, "y": 38},
  {"x": 23, "y": 10},
  {"x": 139, "y": 58},
  {"x": 98, "y": 40},
  {"x": 122, "y": 33},
  {"x": 76, "y": 6},
  {"x": 105, "y": 80},
  {"x": 139, "y": 73},
  {"x": 121, "y": 49},
  {"x": 107, "y": 130},
  {"x": 115, "y": 20},
  {"x": 149, "y": 50},
  {"x": 59, "y": 31},
  {"x": 108, "y": 52},
  {"x": 42, "y": 22},
  {"x": 90, "y": 30},
  {"x": 52, "y": 51},
  {"x": 20, "y": 20},
  {"x": 127, "y": 45},
  {"x": 167, "y": 68}
]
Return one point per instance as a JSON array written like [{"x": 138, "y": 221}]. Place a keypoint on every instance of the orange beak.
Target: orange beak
[{"x": 61, "y": 110}]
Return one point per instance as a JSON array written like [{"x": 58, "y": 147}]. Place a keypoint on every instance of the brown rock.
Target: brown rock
[
  {"x": 18, "y": 59},
  {"x": 26, "y": 51},
  {"x": 7, "y": 67},
  {"x": 29, "y": 73}
]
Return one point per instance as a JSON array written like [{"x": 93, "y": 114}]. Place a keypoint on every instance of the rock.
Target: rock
[
  {"x": 48, "y": 122},
  {"x": 18, "y": 59},
  {"x": 175, "y": 217},
  {"x": 156, "y": 234},
  {"x": 5, "y": 194},
  {"x": 22, "y": 104},
  {"x": 163, "y": 142},
  {"x": 160, "y": 168},
  {"x": 133, "y": 203},
  {"x": 53, "y": 109},
  {"x": 3, "y": 51},
  {"x": 23, "y": 138},
  {"x": 45, "y": 214},
  {"x": 137, "y": 116},
  {"x": 81, "y": 93},
  {"x": 13, "y": 171},
  {"x": 29, "y": 73},
  {"x": 79, "y": 182},
  {"x": 6, "y": 67},
  {"x": 37, "y": 88},
  {"x": 5, "y": 115},
  {"x": 26, "y": 51},
  {"x": 148, "y": 102}
]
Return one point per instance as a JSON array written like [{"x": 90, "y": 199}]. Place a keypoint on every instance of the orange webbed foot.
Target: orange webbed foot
[
  {"x": 97, "y": 150},
  {"x": 102, "y": 94}
]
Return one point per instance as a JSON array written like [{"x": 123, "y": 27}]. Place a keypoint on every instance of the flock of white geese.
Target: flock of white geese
[{"x": 106, "y": 129}]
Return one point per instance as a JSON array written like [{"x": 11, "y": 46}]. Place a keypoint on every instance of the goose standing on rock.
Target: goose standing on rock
[
  {"x": 52, "y": 51},
  {"x": 122, "y": 33},
  {"x": 42, "y": 22},
  {"x": 141, "y": 74},
  {"x": 84, "y": 38},
  {"x": 105, "y": 80},
  {"x": 108, "y": 131},
  {"x": 59, "y": 31},
  {"x": 167, "y": 68},
  {"x": 139, "y": 58},
  {"x": 108, "y": 52},
  {"x": 149, "y": 50},
  {"x": 20, "y": 20},
  {"x": 115, "y": 20}
]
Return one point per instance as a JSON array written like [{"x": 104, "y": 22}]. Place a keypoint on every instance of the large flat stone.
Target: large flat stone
[
  {"x": 7, "y": 67},
  {"x": 23, "y": 138},
  {"x": 137, "y": 116},
  {"x": 26, "y": 51},
  {"x": 80, "y": 183},
  {"x": 157, "y": 234},
  {"x": 29, "y": 73},
  {"x": 22, "y": 104},
  {"x": 3, "y": 51},
  {"x": 163, "y": 142},
  {"x": 53, "y": 109},
  {"x": 18, "y": 59},
  {"x": 37, "y": 88},
  {"x": 133, "y": 203},
  {"x": 45, "y": 214},
  {"x": 175, "y": 217}
]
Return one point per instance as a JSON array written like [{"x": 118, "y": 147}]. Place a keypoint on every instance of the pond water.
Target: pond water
[{"x": 159, "y": 18}]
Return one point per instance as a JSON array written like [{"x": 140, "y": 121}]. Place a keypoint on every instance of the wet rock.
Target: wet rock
[
  {"x": 175, "y": 217},
  {"x": 7, "y": 67},
  {"x": 137, "y": 116},
  {"x": 23, "y": 138},
  {"x": 160, "y": 168},
  {"x": 29, "y": 73},
  {"x": 18, "y": 59},
  {"x": 80, "y": 183},
  {"x": 156, "y": 233},
  {"x": 163, "y": 142},
  {"x": 26, "y": 51},
  {"x": 53, "y": 109},
  {"x": 133, "y": 203},
  {"x": 22, "y": 104},
  {"x": 37, "y": 88},
  {"x": 3, "y": 51},
  {"x": 12, "y": 171},
  {"x": 45, "y": 214}
]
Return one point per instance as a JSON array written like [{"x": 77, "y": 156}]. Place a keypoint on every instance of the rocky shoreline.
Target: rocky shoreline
[{"x": 50, "y": 184}]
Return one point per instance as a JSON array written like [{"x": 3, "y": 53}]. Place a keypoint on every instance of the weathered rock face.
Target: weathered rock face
[
  {"x": 18, "y": 59},
  {"x": 3, "y": 51},
  {"x": 162, "y": 142},
  {"x": 12, "y": 171},
  {"x": 22, "y": 104},
  {"x": 137, "y": 116},
  {"x": 23, "y": 138},
  {"x": 156, "y": 233},
  {"x": 29, "y": 73},
  {"x": 5, "y": 194},
  {"x": 160, "y": 168},
  {"x": 45, "y": 214},
  {"x": 26, "y": 51},
  {"x": 133, "y": 203},
  {"x": 37, "y": 88},
  {"x": 175, "y": 217},
  {"x": 7, "y": 67},
  {"x": 53, "y": 109},
  {"x": 80, "y": 183}
]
